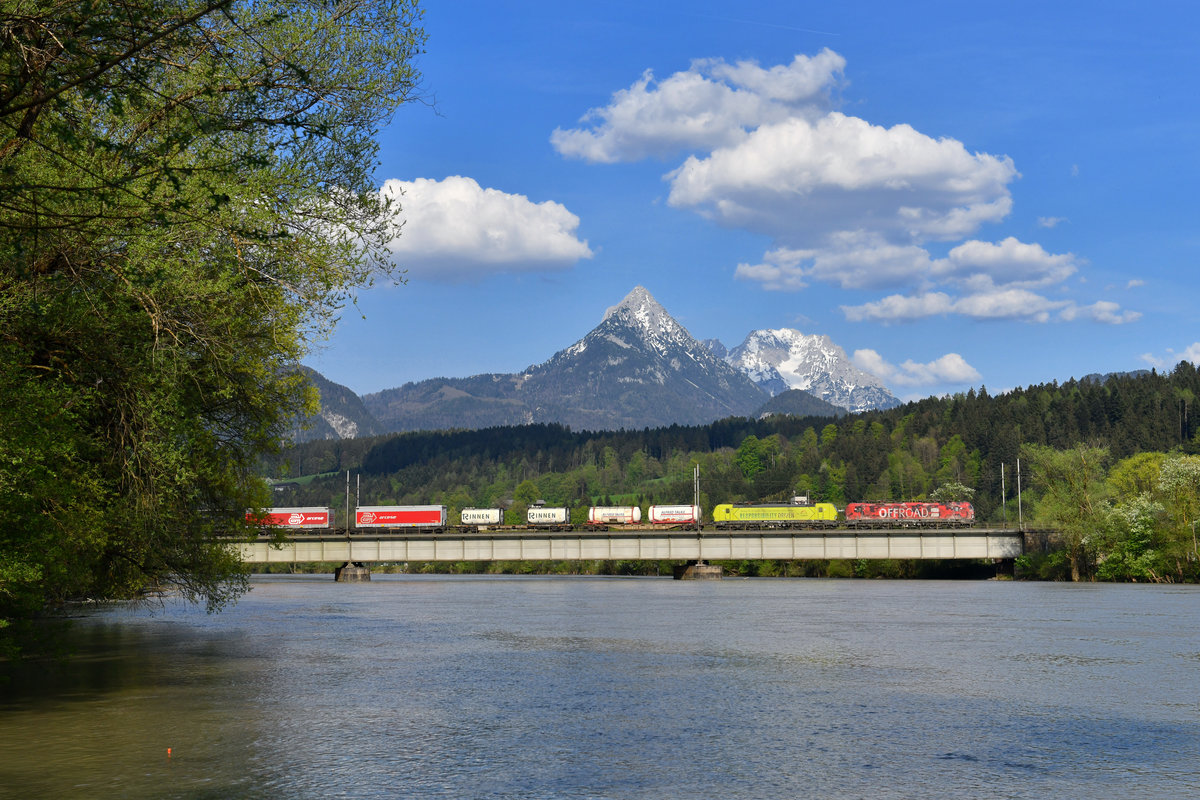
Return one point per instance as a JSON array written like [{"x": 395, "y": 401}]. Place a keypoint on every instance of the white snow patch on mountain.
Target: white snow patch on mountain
[{"x": 782, "y": 358}]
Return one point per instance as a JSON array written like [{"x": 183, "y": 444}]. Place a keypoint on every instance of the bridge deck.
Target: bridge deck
[{"x": 994, "y": 543}]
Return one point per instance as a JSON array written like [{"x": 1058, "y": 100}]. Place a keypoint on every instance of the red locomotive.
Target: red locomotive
[{"x": 904, "y": 515}]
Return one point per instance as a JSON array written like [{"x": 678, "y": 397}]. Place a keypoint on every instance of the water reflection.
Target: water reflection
[{"x": 620, "y": 688}]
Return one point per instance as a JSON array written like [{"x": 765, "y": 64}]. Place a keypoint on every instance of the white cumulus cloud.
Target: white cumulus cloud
[
  {"x": 1008, "y": 262},
  {"x": 710, "y": 105},
  {"x": 898, "y": 308},
  {"x": 1172, "y": 358},
  {"x": 455, "y": 230},
  {"x": 1010, "y": 303},
  {"x": 802, "y": 181},
  {"x": 949, "y": 369},
  {"x": 852, "y": 261},
  {"x": 844, "y": 202},
  {"x": 1102, "y": 311}
]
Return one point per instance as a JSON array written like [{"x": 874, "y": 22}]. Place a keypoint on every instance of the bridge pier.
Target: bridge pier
[
  {"x": 697, "y": 571},
  {"x": 352, "y": 572}
]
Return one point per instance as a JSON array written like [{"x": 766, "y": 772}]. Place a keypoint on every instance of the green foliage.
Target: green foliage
[
  {"x": 951, "y": 492},
  {"x": 905, "y": 478},
  {"x": 1054, "y": 566},
  {"x": 892, "y": 455},
  {"x": 1074, "y": 496},
  {"x": 1136, "y": 475},
  {"x": 1179, "y": 485},
  {"x": 186, "y": 203},
  {"x": 526, "y": 493},
  {"x": 750, "y": 457},
  {"x": 1132, "y": 551}
]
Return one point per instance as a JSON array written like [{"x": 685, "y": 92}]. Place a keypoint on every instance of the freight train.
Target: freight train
[{"x": 797, "y": 514}]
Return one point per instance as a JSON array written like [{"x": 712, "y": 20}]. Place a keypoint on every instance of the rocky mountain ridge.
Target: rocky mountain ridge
[
  {"x": 783, "y": 359},
  {"x": 342, "y": 414},
  {"x": 638, "y": 368}
]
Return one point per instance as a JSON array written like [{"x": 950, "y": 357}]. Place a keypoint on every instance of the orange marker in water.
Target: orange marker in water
[{"x": 168, "y": 752}]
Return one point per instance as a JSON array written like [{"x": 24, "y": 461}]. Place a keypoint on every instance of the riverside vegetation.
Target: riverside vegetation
[
  {"x": 1110, "y": 463},
  {"x": 186, "y": 202}
]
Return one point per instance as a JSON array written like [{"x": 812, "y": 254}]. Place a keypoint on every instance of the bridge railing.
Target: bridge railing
[{"x": 962, "y": 543}]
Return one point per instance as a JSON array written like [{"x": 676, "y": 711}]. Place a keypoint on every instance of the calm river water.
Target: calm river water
[{"x": 575, "y": 687}]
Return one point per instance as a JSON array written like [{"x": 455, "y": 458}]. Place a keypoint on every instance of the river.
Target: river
[{"x": 580, "y": 687}]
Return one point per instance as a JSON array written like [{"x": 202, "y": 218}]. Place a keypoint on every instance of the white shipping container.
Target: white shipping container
[
  {"x": 614, "y": 515},
  {"x": 482, "y": 516},
  {"x": 548, "y": 515},
  {"x": 674, "y": 515}
]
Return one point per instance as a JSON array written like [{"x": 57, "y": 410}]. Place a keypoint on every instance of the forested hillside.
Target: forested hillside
[{"x": 973, "y": 440}]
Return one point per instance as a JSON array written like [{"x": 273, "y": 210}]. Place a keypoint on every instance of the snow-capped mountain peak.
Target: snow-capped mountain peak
[
  {"x": 639, "y": 301},
  {"x": 638, "y": 362},
  {"x": 782, "y": 358},
  {"x": 642, "y": 313},
  {"x": 638, "y": 368}
]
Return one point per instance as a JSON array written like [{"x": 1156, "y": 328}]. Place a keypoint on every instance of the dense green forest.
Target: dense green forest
[{"x": 1108, "y": 462}]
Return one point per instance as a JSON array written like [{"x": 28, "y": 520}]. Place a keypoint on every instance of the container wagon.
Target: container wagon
[
  {"x": 686, "y": 516},
  {"x": 306, "y": 517},
  {"x": 601, "y": 516},
  {"x": 557, "y": 518},
  {"x": 481, "y": 517},
  {"x": 432, "y": 518}
]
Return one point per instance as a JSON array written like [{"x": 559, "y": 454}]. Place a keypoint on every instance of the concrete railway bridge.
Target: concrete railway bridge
[{"x": 693, "y": 548}]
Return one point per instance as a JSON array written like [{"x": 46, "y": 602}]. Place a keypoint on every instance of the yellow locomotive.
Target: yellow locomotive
[{"x": 797, "y": 514}]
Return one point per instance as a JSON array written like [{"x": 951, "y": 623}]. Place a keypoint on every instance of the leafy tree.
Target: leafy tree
[
  {"x": 455, "y": 501},
  {"x": 526, "y": 493},
  {"x": 1131, "y": 547},
  {"x": 1074, "y": 495},
  {"x": 750, "y": 456},
  {"x": 951, "y": 492},
  {"x": 907, "y": 478},
  {"x": 186, "y": 204},
  {"x": 635, "y": 470},
  {"x": 552, "y": 487},
  {"x": 1179, "y": 484},
  {"x": 952, "y": 460},
  {"x": 1136, "y": 475},
  {"x": 829, "y": 435},
  {"x": 833, "y": 489},
  {"x": 524, "y": 496}
]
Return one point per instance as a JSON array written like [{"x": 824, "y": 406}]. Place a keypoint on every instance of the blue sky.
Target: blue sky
[{"x": 958, "y": 195}]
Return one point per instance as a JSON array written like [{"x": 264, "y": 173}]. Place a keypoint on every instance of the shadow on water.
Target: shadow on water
[
  {"x": 590, "y": 688},
  {"x": 140, "y": 711}
]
